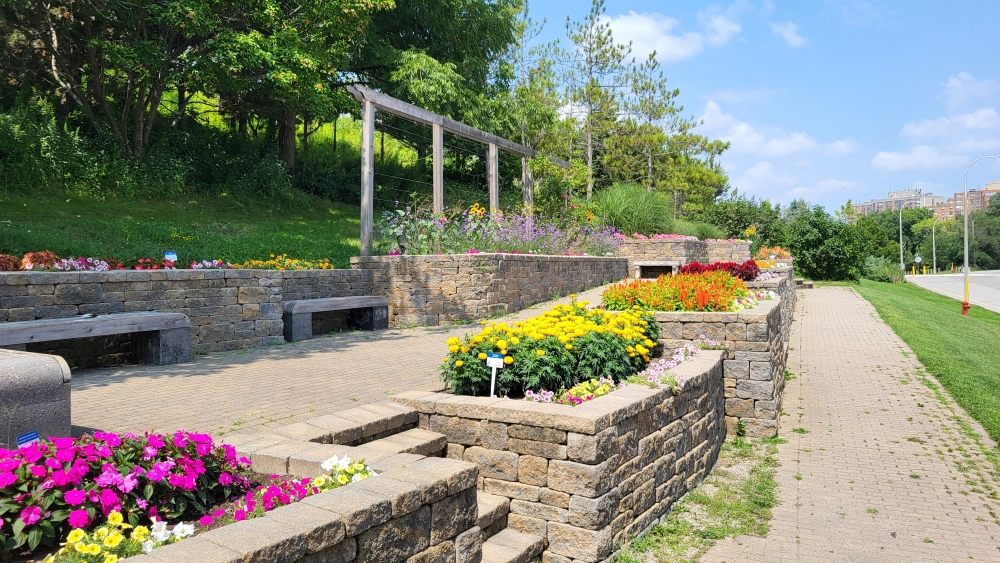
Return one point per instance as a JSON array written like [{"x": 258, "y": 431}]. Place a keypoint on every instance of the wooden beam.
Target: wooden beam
[
  {"x": 367, "y": 175},
  {"x": 438, "y": 167},
  {"x": 406, "y": 110},
  {"x": 493, "y": 177}
]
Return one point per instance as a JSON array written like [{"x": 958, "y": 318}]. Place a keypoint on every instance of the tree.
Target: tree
[
  {"x": 826, "y": 248},
  {"x": 600, "y": 66}
]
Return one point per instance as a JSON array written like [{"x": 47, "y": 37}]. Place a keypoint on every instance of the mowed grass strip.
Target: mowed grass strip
[
  {"x": 197, "y": 228},
  {"x": 962, "y": 352}
]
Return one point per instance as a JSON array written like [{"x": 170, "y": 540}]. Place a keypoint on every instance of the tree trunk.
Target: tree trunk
[
  {"x": 649, "y": 171},
  {"x": 286, "y": 138},
  {"x": 243, "y": 126},
  {"x": 182, "y": 104}
]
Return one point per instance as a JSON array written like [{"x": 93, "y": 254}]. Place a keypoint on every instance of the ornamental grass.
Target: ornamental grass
[
  {"x": 560, "y": 348},
  {"x": 715, "y": 291}
]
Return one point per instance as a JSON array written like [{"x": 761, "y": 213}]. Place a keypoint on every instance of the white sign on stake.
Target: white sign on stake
[{"x": 494, "y": 360}]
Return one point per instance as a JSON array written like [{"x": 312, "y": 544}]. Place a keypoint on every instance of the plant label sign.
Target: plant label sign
[
  {"x": 494, "y": 360},
  {"x": 170, "y": 255},
  {"x": 28, "y": 438}
]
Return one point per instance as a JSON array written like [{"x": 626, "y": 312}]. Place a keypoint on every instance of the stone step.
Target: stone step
[
  {"x": 353, "y": 426},
  {"x": 799, "y": 281},
  {"x": 493, "y": 511},
  {"x": 510, "y": 546},
  {"x": 413, "y": 441},
  {"x": 808, "y": 285}
]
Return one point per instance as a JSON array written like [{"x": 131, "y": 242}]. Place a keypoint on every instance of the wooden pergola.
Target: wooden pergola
[{"x": 372, "y": 100}]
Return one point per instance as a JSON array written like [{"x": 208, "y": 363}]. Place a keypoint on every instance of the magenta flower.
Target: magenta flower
[
  {"x": 225, "y": 479},
  {"x": 240, "y": 515},
  {"x": 7, "y": 478},
  {"x": 74, "y": 497},
  {"x": 79, "y": 518},
  {"x": 30, "y": 515},
  {"x": 38, "y": 470},
  {"x": 205, "y": 520}
]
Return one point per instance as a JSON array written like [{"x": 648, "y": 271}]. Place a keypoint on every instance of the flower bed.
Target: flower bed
[
  {"x": 564, "y": 346},
  {"x": 747, "y": 271},
  {"x": 418, "y": 230},
  {"x": 772, "y": 253},
  {"x": 637, "y": 236},
  {"x": 709, "y": 291},
  {"x": 48, "y": 262},
  {"x": 91, "y": 489}
]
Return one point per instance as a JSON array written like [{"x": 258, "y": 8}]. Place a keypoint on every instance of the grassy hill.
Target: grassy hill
[{"x": 196, "y": 228}]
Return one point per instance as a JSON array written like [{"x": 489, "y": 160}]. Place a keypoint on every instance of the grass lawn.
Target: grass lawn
[
  {"x": 197, "y": 229},
  {"x": 960, "y": 351}
]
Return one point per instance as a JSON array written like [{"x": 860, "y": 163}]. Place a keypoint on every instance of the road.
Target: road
[{"x": 984, "y": 287}]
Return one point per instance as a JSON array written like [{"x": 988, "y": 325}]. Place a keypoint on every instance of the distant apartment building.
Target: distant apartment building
[
  {"x": 978, "y": 199},
  {"x": 903, "y": 199}
]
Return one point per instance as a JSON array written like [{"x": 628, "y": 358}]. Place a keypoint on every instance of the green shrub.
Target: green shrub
[
  {"x": 826, "y": 248},
  {"x": 700, "y": 230},
  {"x": 881, "y": 269},
  {"x": 632, "y": 209}
]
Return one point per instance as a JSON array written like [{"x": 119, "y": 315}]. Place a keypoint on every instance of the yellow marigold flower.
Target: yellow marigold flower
[
  {"x": 444, "y": 359},
  {"x": 459, "y": 363},
  {"x": 482, "y": 356},
  {"x": 569, "y": 346},
  {"x": 115, "y": 518},
  {"x": 465, "y": 349},
  {"x": 508, "y": 360},
  {"x": 453, "y": 348},
  {"x": 648, "y": 343},
  {"x": 540, "y": 352},
  {"x": 453, "y": 341},
  {"x": 502, "y": 343},
  {"x": 75, "y": 535}
]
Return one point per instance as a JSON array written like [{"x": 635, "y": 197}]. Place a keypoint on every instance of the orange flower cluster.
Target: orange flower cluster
[{"x": 711, "y": 291}]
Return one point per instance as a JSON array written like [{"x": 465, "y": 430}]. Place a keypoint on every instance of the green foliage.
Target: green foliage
[
  {"x": 737, "y": 213},
  {"x": 826, "y": 248},
  {"x": 632, "y": 209},
  {"x": 701, "y": 230},
  {"x": 881, "y": 269}
]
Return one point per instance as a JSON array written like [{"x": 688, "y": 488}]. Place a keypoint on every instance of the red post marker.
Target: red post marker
[{"x": 965, "y": 308}]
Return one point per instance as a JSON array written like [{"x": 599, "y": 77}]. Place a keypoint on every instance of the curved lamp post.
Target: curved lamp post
[
  {"x": 965, "y": 217},
  {"x": 934, "y": 244}
]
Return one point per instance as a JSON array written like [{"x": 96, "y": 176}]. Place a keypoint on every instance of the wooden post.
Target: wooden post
[
  {"x": 527, "y": 184},
  {"x": 367, "y": 175},
  {"x": 438, "y": 167},
  {"x": 492, "y": 177}
]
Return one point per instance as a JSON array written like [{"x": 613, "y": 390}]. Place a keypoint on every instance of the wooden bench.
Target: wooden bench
[
  {"x": 368, "y": 312},
  {"x": 654, "y": 269},
  {"x": 157, "y": 338}
]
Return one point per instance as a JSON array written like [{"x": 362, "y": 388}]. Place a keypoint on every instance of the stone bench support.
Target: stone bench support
[
  {"x": 367, "y": 312},
  {"x": 34, "y": 395},
  {"x": 158, "y": 338}
]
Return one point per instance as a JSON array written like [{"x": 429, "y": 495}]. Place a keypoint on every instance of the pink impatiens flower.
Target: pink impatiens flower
[
  {"x": 7, "y": 478},
  {"x": 74, "y": 497},
  {"x": 30, "y": 515},
  {"x": 79, "y": 518}
]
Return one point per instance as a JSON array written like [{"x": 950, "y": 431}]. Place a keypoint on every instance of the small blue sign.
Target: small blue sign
[
  {"x": 29, "y": 438},
  {"x": 494, "y": 360},
  {"x": 170, "y": 255}
]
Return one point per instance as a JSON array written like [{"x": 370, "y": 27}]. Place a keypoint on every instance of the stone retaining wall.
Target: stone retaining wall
[
  {"x": 683, "y": 251},
  {"x": 754, "y": 365},
  {"x": 434, "y": 290},
  {"x": 587, "y": 478},
  {"x": 229, "y": 309}
]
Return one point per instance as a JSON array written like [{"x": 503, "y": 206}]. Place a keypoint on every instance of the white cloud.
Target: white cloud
[
  {"x": 822, "y": 188},
  {"x": 842, "y": 147},
  {"x": 747, "y": 140},
  {"x": 920, "y": 157},
  {"x": 981, "y": 119},
  {"x": 862, "y": 13},
  {"x": 761, "y": 178},
  {"x": 790, "y": 32},
  {"x": 652, "y": 31},
  {"x": 963, "y": 88}
]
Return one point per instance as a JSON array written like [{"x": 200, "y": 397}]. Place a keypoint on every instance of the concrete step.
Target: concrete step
[
  {"x": 799, "y": 281},
  {"x": 808, "y": 285},
  {"x": 510, "y": 546},
  {"x": 355, "y": 426},
  {"x": 493, "y": 511}
]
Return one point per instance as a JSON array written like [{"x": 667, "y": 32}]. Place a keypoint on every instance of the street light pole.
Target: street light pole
[
  {"x": 934, "y": 243},
  {"x": 965, "y": 218}
]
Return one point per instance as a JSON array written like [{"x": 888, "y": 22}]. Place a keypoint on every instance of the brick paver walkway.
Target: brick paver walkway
[
  {"x": 222, "y": 392},
  {"x": 887, "y": 470}
]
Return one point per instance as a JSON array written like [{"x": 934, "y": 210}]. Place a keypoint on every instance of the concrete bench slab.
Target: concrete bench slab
[
  {"x": 158, "y": 338},
  {"x": 646, "y": 269},
  {"x": 34, "y": 396},
  {"x": 368, "y": 312}
]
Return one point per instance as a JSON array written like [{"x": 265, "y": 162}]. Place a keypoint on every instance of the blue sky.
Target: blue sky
[{"x": 827, "y": 99}]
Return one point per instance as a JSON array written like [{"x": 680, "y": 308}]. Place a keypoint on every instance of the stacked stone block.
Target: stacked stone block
[
  {"x": 434, "y": 290},
  {"x": 738, "y": 252},
  {"x": 754, "y": 363},
  {"x": 587, "y": 478},
  {"x": 229, "y": 309}
]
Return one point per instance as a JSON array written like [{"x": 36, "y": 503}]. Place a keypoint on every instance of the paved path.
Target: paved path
[
  {"x": 984, "y": 287},
  {"x": 885, "y": 472},
  {"x": 222, "y": 392}
]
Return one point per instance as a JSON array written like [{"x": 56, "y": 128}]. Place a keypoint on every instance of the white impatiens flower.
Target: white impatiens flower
[{"x": 183, "y": 530}]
